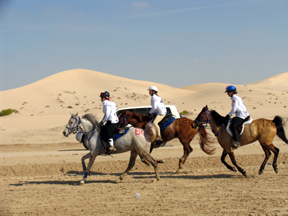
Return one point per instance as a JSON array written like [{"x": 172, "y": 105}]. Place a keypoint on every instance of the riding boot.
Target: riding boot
[
  {"x": 236, "y": 142},
  {"x": 111, "y": 148}
]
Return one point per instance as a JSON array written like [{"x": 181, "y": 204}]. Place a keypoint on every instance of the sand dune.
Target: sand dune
[{"x": 48, "y": 102}]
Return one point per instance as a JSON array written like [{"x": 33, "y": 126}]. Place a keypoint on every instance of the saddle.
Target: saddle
[
  {"x": 167, "y": 120},
  {"x": 240, "y": 128},
  {"x": 119, "y": 133}
]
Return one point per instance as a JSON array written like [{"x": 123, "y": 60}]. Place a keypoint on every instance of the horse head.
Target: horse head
[
  {"x": 72, "y": 126},
  {"x": 202, "y": 118}
]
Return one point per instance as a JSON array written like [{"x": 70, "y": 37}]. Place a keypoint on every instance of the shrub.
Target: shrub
[
  {"x": 8, "y": 112},
  {"x": 184, "y": 112}
]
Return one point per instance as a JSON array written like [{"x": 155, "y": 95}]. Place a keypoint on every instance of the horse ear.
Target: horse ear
[
  {"x": 206, "y": 107},
  {"x": 76, "y": 114}
]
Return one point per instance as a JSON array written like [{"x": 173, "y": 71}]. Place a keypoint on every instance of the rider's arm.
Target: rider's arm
[
  {"x": 107, "y": 111},
  {"x": 154, "y": 104},
  {"x": 234, "y": 107}
]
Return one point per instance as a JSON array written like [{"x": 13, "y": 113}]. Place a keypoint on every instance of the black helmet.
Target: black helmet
[{"x": 104, "y": 94}]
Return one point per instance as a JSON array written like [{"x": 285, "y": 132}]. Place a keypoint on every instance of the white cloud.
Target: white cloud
[{"x": 140, "y": 4}]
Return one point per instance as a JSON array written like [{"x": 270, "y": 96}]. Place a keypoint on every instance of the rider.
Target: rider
[
  {"x": 158, "y": 108},
  {"x": 240, "y": 111},
  {"x": 110, "y": 117}
]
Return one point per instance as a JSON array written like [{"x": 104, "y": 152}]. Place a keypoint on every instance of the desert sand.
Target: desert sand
[{"x": 41, "y": 169}]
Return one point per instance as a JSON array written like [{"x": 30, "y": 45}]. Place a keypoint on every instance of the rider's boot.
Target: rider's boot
[
  {"x": 236, "y": 143},
  {"x": 111, "y": 142}
]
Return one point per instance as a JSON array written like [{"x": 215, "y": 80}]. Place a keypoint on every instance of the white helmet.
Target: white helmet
[{"x": 153, "y": 88}]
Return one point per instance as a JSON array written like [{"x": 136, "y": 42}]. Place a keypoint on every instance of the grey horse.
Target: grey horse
[{"x": 136, "y": 140}]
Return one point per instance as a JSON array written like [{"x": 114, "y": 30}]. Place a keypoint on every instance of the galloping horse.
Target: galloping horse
[
  {"x": 136, "y": 140},
  {"x": 180, "y": 128},
  {"x": 263, "y": 130}
]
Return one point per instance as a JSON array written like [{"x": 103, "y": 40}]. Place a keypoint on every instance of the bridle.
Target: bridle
[
  {"x": 75, "y": 126},
  {"x": 122, "y": 122},
  {"x": 207, "y": 122},
  {"x": 202, "y": 119}
]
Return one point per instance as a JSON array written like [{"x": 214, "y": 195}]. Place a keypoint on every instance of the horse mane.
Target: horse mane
[
  {"x": 90, "y": 117},
  {"x": 218, "y": 118}
]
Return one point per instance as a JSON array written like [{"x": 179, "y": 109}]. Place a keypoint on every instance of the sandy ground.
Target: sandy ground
[
  {"x": 40, "y": 169},
  {"x": 44, "y": 180}
]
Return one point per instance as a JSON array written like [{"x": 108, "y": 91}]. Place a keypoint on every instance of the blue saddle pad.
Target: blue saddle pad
[
  {"x": 116, "y": 136},
  {"x": 166, "y": 123}
]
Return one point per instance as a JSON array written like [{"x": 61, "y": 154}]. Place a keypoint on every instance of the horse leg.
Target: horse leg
[
  {"x": 143, "y": 160},
  {"x": 83, "y": 160},
  {"x": 187, "y": 150},
  {"x": 224, "y": 154},
  {"x": 92, "y": 158},
  {"x": 152, "y": 161},
  {"x": 153, "y": 144},
  {"x": 131, "y": 164},
  {"x": 275, "y": 150},
  {"x": 267, "y": 156},
  {"x": 232, "y": 158}
]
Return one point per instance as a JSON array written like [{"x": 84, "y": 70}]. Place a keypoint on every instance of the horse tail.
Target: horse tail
[
  {"x": 151, "y": 131},
  {"x": 205, "y": 141},
  {"x": 280, "y": 130}
]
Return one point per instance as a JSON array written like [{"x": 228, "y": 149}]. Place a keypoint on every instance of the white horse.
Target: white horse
[{"x": 136, "y": 140}]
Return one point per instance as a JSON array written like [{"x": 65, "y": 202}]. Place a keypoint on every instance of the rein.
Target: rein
[
  {"x": 76, "y": 126},
  {"x": 208, "y": 121}
]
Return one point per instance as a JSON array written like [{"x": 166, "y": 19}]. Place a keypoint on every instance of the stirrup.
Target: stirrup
[
  {"x": 236, "y": 144},
  {"x": 112, "y": 148}
]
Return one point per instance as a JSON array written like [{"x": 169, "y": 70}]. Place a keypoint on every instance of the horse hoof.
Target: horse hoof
[
  {"x": 276, "y": 170},
  {"x": 122, "y": 176},
  {"x": 177, "y": 171},
  {"x": 157, "y": 178},
  {"x": 245, "y": 174},
  {"x": 160, "y": 161},
  {"x": 81, "y": 182},
  {"x": 260, "y": 172},
  {"x": 234, "y": 169}
]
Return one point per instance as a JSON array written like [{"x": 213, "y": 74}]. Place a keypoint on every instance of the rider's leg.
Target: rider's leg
[
  {"x": 110, "y": 130},
  {"x": 236, "y": 121},
  {"x": 155, "y": 123}
]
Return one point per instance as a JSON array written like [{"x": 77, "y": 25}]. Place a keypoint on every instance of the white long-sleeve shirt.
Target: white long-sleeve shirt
[
  {"x": 238, "y": 107},
  {"x": 158, "y": 106},
  {"x": 109, "y": 110}
]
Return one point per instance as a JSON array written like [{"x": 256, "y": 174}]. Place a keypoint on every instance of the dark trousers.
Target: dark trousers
[
  {"x": 236, "y": 121},
  {"x": 110, "y": 129}
]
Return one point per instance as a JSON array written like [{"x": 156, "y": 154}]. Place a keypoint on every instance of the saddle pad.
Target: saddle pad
[
  {"x": 166, "y": 123},
  {"x": 117, "y": 136},
  {"x": 242, "y": 129}
]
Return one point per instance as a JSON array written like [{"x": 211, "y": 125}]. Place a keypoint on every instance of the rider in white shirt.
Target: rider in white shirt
[
  {"x": 110, "y": 117},
  {"x": 158, "y": 108},
  {"x": 240, "y": 111}
]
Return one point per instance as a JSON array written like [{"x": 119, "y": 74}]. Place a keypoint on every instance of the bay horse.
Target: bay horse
[
  {"x": 180, "y": 128},
  {"x": 135, "y": 140},
  {"x": 263, "y": 130}
]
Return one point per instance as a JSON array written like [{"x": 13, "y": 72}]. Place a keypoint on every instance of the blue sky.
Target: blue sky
[{"x": 173, "y": 42}]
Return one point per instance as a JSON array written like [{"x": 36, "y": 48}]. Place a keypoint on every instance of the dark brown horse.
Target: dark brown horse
[
  {"x": 180, "y": 128},
  {"x": 263, "y": 130}
]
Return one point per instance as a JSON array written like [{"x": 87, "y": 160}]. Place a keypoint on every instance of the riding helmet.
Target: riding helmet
[
  {"x": 104, "y": 94},
  {"x": 230, "y": 88},
  {"x": 153, "y": 88}
]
